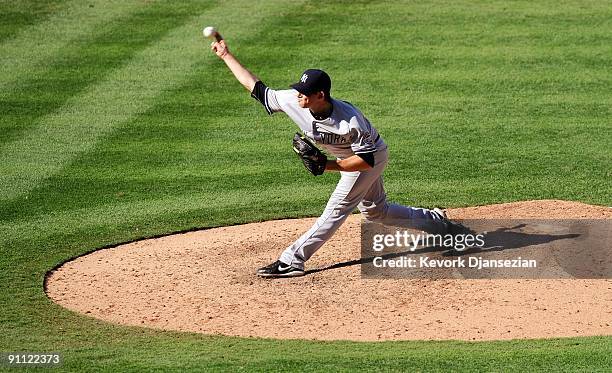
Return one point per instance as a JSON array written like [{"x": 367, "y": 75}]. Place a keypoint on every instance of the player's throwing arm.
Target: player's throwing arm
[{"x": 219, "y": 47}]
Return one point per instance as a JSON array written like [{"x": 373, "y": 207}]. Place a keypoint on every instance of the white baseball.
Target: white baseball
[{"x": 209, "y": 31}]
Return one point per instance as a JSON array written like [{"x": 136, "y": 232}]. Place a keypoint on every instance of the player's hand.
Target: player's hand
[{"x": 219, "y": 48}]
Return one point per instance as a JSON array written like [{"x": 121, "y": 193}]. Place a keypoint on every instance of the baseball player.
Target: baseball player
[{"x": 361, "y": 157}]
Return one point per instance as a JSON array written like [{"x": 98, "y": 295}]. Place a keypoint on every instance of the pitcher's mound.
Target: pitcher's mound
[{"x": 205, "y": 282}]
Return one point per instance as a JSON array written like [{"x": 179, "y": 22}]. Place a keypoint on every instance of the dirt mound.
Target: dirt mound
[{"x": 204, "y": 282}]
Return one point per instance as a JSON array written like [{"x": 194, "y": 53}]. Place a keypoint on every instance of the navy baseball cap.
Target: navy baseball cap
[{"x": 313, "y": 81}]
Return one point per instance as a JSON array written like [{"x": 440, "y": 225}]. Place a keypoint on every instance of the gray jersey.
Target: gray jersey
[{"x": 346, "y": 132}]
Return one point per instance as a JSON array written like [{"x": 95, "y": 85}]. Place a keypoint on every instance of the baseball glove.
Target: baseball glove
[{"x": 314, "y": 160}]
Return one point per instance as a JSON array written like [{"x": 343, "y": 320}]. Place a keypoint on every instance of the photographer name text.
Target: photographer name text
[{"x": 461, "y": 262}]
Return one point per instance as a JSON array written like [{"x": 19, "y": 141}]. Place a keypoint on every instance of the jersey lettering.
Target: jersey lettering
[{"x": 332, "y": 138}]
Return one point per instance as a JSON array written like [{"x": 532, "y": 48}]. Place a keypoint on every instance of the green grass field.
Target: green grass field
[{"x": 118, "y": 123}]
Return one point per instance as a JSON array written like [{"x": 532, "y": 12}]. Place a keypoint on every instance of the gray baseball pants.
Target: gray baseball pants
[{"x": 364, "y": 190}]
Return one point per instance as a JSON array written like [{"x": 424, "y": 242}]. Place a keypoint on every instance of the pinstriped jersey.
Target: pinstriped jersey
[{"x": 344, "y": 133}]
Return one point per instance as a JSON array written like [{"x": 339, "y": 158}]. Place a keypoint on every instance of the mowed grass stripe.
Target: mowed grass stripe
[
  {"x": 74, "y": 68},
  {"x": 18, "y": 15},
  {"x": 82, "y": 63},
  {"x": 35, "y": 46},
  {"x": 133, "y": 214},
  {"x": 62, "y": 136}
]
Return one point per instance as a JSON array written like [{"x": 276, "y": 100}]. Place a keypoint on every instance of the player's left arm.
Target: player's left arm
[
  {"x": 362, "y": 146},
  {"x": 357, "y": 162}
]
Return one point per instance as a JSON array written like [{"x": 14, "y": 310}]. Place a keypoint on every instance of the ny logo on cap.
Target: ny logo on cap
[{"x": 303, "y": 78}]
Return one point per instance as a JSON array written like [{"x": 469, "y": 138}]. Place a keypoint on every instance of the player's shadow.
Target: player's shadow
[{"x": 498, "y": 240}]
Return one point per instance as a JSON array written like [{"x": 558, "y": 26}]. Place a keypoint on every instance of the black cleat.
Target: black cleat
[
  {"x": 441, "y": 214},
  {"x": 455, "y": 228},
  {"x": 451, "y": 227},
  {"x": 279, "y": 269}
]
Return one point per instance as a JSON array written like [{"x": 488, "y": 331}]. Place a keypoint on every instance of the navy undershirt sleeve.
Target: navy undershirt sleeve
[
  {"x": 259, "y": 93},
  {"x": 367, "y": 157}
]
